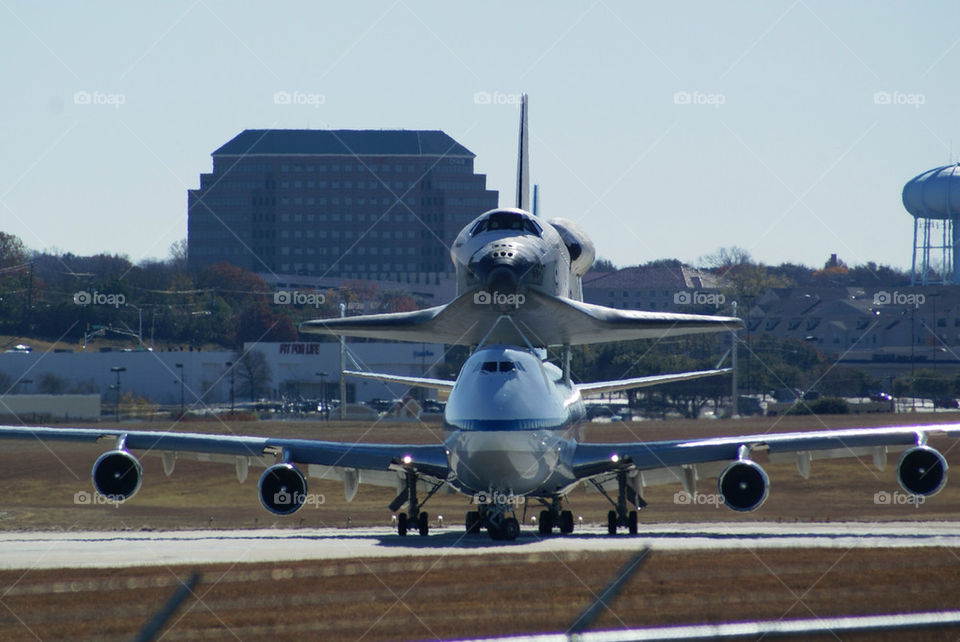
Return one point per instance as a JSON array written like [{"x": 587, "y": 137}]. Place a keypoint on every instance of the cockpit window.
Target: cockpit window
[
  {"x": 507, "y": 221},
  {"x": 501, "y": 366}
]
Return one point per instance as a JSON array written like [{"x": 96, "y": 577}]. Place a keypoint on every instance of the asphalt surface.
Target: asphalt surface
[{"x": 45, "y": 550}]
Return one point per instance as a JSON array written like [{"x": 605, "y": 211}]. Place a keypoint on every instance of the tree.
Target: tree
[
  {"x": 51, "y": 384},
  {"x": 178, "y": 255},
  {"x": 725, "y": 257},
  {"x": 603, "y": 265},
  {"x": 253, "y": 373}
]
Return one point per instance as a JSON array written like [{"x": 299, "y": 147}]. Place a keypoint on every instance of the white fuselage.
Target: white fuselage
[
  {"x": 508, "y": 251},
  {"x": 513, "y": 422}
]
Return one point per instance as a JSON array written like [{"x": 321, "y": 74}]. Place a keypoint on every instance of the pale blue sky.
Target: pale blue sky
[{"x": 798, "y": 161}]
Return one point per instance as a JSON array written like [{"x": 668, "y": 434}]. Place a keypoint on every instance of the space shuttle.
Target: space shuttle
[{"x": 519, "y": 282}]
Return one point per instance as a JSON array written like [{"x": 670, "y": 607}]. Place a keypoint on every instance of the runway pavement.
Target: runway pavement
[{"x": 37, "y": 550}]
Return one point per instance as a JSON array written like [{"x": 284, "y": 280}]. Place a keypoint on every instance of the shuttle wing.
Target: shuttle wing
[{"x": 541, "y": 319}]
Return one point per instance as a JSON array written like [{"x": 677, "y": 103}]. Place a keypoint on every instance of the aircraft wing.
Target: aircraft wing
[
  {"x": 666, "y": 461},
  {"x": 538, "y": 318},
  {"x": 418, "y": 382},
  {"x": 427, "y": 459},
  {"x": 643, "y": 382}
]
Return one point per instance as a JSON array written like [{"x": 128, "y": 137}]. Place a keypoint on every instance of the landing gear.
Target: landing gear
[
  {"x": 620, "y": 516},
  {"x": 497, "y": 519},
  {"x": 546, "y": 522},
  {"x": 554, "y": 517},
  {"x": 473, "y": 522},
  {"x": 505, "y": 528},
  {"x": 423, "y": 521},
  {"x": 413, "y": 518}
]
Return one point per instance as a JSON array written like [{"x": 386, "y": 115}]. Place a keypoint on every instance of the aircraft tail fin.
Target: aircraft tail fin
[{"x": 523, "y": 160}]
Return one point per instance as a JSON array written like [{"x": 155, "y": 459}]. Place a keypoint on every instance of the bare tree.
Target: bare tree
[{"x": 253, "y": 373}]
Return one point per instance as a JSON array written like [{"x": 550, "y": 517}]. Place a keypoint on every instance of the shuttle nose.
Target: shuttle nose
[{"x": 502, "y": 267}]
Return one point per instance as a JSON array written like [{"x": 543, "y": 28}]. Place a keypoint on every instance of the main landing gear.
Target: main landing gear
[
  {"x": 554, "y": 517},
  {"x": 498, "y": 520},
  {"x": 620, "y": 516},
  {"x": 414, "y": 518}
]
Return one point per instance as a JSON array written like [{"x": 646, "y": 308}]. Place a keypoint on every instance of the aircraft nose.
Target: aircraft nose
[{"x": 502, "y": 267}]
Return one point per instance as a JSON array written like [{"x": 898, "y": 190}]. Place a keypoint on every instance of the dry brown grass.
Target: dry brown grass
[
  {"x": 455, "y": 595},
  {"x": 458, "y": 596},
  {"x": 40, "y": 481}
]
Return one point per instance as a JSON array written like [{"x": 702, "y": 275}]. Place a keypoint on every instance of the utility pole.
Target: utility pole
[
  {"x": 343, "y": 366},
  {"x": 230, "y": 367},
  {"x": 116, "y": 407},
  {"x": 735, "y": 410},
  {"x": 180, "y": 366}
]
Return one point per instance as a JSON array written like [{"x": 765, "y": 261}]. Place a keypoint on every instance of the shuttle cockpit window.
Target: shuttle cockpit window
[{"x": 510, "y": 221}]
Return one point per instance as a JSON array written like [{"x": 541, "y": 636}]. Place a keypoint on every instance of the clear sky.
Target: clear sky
[{"x": 664, "y": 129}]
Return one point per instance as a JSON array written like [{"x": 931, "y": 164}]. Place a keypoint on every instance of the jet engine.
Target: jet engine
[
  {"x": 743, "y": 485},
  {"x": 283, "y": 489},
  {"x": 922, "y": 471},
  {"x": 117, "y": 475},
  {"x": 579, "y": 246}
]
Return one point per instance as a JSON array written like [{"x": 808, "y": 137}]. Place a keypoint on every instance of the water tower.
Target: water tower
[{"x": 933, "y": 198}]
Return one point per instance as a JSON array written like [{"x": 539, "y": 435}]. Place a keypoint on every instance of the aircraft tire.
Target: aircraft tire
[{"x": 423, "y": 523}]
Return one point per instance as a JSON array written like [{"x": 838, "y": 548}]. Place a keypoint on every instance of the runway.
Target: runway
[{"x": 88, "y": 549}]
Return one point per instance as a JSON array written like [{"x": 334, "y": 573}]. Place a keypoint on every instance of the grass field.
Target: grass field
[{"x": 456, "y": 595}]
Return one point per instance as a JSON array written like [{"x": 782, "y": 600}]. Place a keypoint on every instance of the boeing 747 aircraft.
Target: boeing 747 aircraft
[{"x": 513, "y": 421}]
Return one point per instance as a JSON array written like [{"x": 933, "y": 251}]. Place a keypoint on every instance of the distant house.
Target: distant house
[{"x": 663, "y": 288}]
